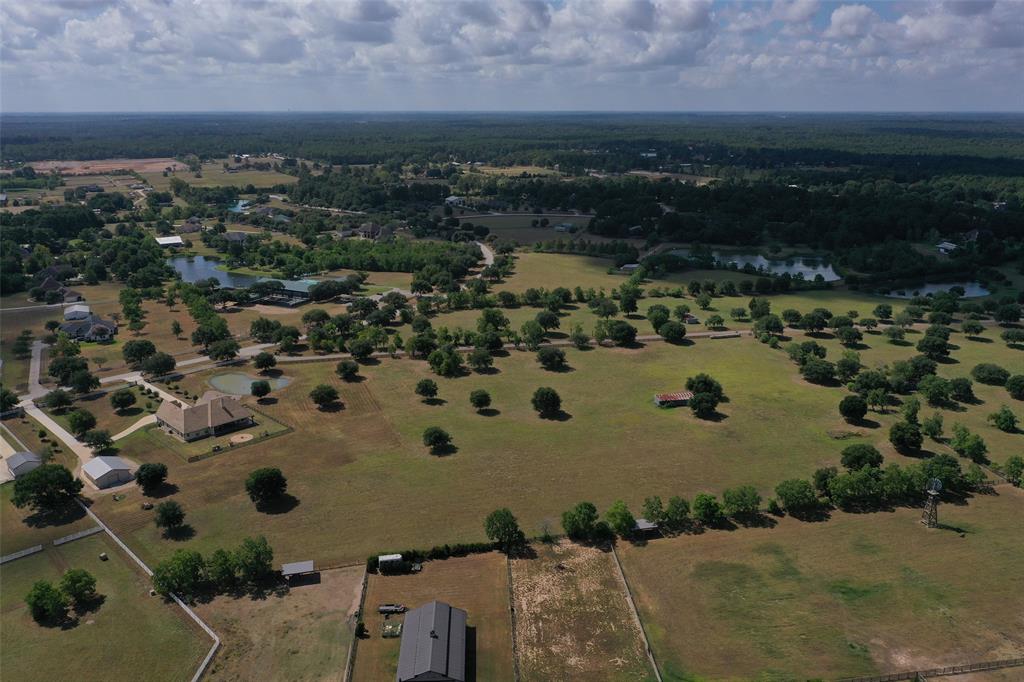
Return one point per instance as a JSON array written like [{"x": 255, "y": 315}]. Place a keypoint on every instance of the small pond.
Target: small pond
[
  {"x": 807, "y": 266},
  {"x": 971, "y": 290},
  {"x": 239, "y": 206},
  {"x": 238, "y": 383},
  {"x": 200, "y": 267}
]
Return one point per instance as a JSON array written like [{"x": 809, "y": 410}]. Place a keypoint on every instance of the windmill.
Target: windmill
[{"x": 930, "y": 517}]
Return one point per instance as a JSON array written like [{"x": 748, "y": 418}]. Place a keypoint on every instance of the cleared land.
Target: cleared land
[
  {"x": 127, "y": 631},
  {"x": 21, "y": 528},
  {"x": 858, "y": 594},
  {"x": 214, "y": 175},
  {"x": 100, "y": 166},
  {"x": 572, "y": 618},
  {"x": 302, "y": 633},
  {"x": 478, "y": 584}
]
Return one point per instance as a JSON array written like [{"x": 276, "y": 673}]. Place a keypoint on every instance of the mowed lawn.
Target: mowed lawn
[
  {"x": 478, "y": 584},
  {"x": 856, "y": 595},
  {"x": 22, "y": 528},
  {"x": 572, "y": 617},
  {"x": 128, "y": 631}
]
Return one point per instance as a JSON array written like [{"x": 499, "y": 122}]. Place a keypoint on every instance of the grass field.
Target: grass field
[
  {"x": 858, "y": 594},
  {"x": 478, "y": 584},
  {"x": 22, "y": 529},
  {"x": 106, "y": 416},
  {"x": 301, "y": 634},
  {"x": 214, "y": 175},
  {"x": 572, "y": 618},
  {"x": 136, "y": 634}
]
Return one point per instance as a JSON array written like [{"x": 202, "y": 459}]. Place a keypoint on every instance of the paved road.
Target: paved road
[
  {"x": 142, "y": 423},
  {"x": 84, "y": 452}
]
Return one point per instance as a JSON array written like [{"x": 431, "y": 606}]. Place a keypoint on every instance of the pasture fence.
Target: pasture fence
[
  {"x": 21, "y": 553},
  {"x": 939, "y": 672},
  {"x": 350, "y": 665},
  {"x": 78, "y": 536},
  {"x": 512, "y": 617},
  {"x": 636, "y": 614}
]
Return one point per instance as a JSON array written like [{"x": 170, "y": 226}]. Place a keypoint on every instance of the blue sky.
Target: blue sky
[{"x": 508, "y": 55}]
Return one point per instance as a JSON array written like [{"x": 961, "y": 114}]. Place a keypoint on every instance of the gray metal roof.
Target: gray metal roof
[
  {"x": 433, "y": 644},
  {"x": 19, "y": 459},
  {"x": 296, "y": 568}
]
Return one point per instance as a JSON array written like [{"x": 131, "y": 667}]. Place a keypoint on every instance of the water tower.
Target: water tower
[{"x": 930, "y": 517}]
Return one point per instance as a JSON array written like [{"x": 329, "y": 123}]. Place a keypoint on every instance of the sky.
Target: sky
[{"x": 511, "y": 55}]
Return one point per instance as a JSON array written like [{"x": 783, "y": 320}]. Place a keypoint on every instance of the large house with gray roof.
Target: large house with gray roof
[
  {"x": 90, "y": 328},
  {"x": 433, "y": 644}
]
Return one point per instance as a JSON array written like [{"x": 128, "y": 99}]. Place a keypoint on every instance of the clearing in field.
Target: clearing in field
[
  {"x": 859, "y": 594},
  {"x": 126, "y": 630},
  {"x": 478, "y": 584},
  {"x": 572, "y": 617},
  {"x": 303, "y": 633}
]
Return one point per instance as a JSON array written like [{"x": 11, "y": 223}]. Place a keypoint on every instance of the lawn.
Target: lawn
[
  {"x": 21, "y": 528},
  {"x": 859, "y": 594},
  {"x": 572, "y": 617},
  {"x": 478, "y": 584},
  {"x": 302, "y": 633},
  {"x": 214, "y": 175},
  {"x": 157, "y": 439},
  {"x": 106, "y": 416},
  {"x": 135, "y": 632}
]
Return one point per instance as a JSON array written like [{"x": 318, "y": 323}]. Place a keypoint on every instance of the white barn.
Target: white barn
[
  {"x": 170, "y": 241},
  {"x": 107, "y": 471}
]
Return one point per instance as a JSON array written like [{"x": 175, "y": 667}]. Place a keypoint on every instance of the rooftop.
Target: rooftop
[{"x": 433, "y": 644}]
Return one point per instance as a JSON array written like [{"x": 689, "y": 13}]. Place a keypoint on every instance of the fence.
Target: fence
[
  {"x": 78, "y": 536},
  {"x": 351, "y": 663},
  {"x": 939, "y": 672},
  {"x": 20, "y": 554},
  {"x": 512, "y": 617}
]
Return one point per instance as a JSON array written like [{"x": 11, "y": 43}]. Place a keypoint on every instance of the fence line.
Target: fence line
[
  {"x": 148, "y": 571},
  {"x": 21, "y": 553},
  {"x": 351, "y": 663},
  {"x": 78, "y": 536},
  {"x": 636, "y": 615},
  {"x": 512, "y": 616},
  {"x": 939, "y": 672}
]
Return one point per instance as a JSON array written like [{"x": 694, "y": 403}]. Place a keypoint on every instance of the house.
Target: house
[
  {"x": 107, "y": 471},
  {"x": 91, "y": 188},
  {"x": 173, "y": 242},
  {"x": 189, "y": 228},
  {"x": 51, "y": 284},
  {"x": 946, "y": 247},
  {"x": 57, "y": 272},
  {"x": 454, "y": 201},
  {"x": 20, "y": 463},
  {"x": 368, "y": 230},
  {"x": 76, "y": 312},
  {"x": 90, "y": 328},
  {"x": 72, "y": 296},
  {"x": 677, "y": 399},
  {"x": 213, "y": 414},
  {"x": 433, "y": 644},
  {"x": 237, "y": 236},
  {"x": 292, "y": 292},
  {"x": 691, "y": 319},
  {"x": 972, "y": 236}
]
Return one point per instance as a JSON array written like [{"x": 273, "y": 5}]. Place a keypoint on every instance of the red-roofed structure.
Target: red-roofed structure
[{"x": 672, "y": 399}]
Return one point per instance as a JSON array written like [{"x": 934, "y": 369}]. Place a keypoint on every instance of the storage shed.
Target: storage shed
[
  {"x": 20, "y": 463},
  {"x": 676, "y": 399},
  {"x": 433, "y": 644},
  {"x": 107, "y": 471}
]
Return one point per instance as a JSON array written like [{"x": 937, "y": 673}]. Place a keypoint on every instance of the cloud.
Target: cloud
[{"x": 851, "y": 21}]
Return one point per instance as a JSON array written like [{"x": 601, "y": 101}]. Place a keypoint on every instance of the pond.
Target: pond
[
  {"x": 239, "y": 206},
  {"x": 971, "y": 290},
  {"x": 807, "y": 266},
  {"x": 238, "y": 383},
  {"x": 200, "y": 267}
]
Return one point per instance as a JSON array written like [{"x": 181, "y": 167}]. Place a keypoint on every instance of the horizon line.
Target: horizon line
[{"x": 964, "y": 112}]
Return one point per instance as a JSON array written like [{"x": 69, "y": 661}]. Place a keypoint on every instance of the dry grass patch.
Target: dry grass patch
[
  {"x": 478, "y": 584},
  {"x": 572, "y": 617}
]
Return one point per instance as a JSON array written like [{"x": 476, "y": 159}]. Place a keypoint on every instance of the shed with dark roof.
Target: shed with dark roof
[{"x": 433, "y": 644}]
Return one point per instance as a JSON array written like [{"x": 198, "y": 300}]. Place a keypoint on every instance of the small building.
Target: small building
[
  {"x": 293, "y": 292},
  {"x": 678, "y": 399},
  {"x": 72, "y": 296},
  {"x": 454, "y": 201},
  {"x": 297, "y": 569},
  {"x": 946, "y": 247},
  {"x": 173, "y": 242},
  {"x": 3, "y": 198},
  {"x": 433, "y": 644},
  {"x": 644, "y": 527},
  {"x": 107, "y": 471},
  {"x": 564, "y": 227},
  {"x": 388, "y": 562},
  {"x": 193, "y": 224},
  {"x": 76, "y": 312},
  {"x": 20, "y": 463},
  {"x": 213, "y": 414},
  {"x": 630, "y": 267},
  {"x": 90, "y": 328}
]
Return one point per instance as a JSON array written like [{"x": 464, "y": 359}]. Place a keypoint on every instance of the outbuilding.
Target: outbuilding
[
  {"x": 173, "y": 242},
  {"x": 433, "y": 644},
  {"x": 107, "y": 471},
  {"x": 677, "y": 399},
  {"x": 20, "y": 463},
  {"x": 76, "y": 312},
  {"x": 389, "y": 562},
  {"x": 297, "y": 569}
]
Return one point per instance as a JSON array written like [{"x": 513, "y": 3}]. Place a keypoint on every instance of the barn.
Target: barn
[
  {"x": 107, "y": 471},
  {"x": 433, "y": 644},
  {"x": 677, "y": 399}
]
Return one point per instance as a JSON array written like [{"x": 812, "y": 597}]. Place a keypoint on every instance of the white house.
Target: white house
[
  {"x": 76, "y": 312},
  {"x": 107, "y": 471},
  {"x": 172, "y": 242},
  {"x": 20, "y": 463}
]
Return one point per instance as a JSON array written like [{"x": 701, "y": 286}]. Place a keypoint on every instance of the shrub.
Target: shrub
[
  {"x": 546, "y": 402},
  {"x": 46, "y": 603},
  {"x": 551, "y": 358},
  {"x": 988, "y": 373},
  {"x": 706, "y": 509},
  {"x": 861, "y": 455},
  {"x": 905, "y": 436},
  {"x": 1015, "y": 386},
  {"x": 480, "y": 399},
  {"x": 436, "y": 438},
  {"x": 347, "y": 370},
  {"x": 853, "y": 408},
  {"x": 796, "y": 495},
  {"x": 323, "y": 395}
]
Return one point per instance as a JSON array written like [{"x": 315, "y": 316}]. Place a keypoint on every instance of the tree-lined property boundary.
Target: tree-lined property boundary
[{"x": 939, "y": 672}]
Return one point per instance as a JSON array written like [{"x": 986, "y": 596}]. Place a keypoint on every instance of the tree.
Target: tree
[
  {"x": 436, "y": 438},
  {"x": 704, "y": 383},
  {"x": 8, "y": 399},
  {"x": 323, "y": 395},
  {"x": 961, "y": 390},
  {"x": 57, "y": 399},
  {"x": 426, "y": 388},
  {"x": 658, "y": 315},
  {"x": 265, "y": 485},
  {"x": 932, "y": 426},
  {"x": 46, "y": 603},
  {"x": 480, "y": 399},
  {"x": 882, "y": 311},
  {"x": 122, "y": 399},
  {"x": 741, "y": 502},
  {"x": 620, "y": 332},
  {"x": 620, "y": 519},
  {"x": 848, "y": 336},
  {"x": 546, "y": 402},
  {"x": 653, "y": 510},
  {"x": 83, "y": 381},
  {"x": 254, "y": 560},
  {"x": 547, "y": 320},
  {"x": 796, "y": 495},
  {"x": 80, "y": 421},
  {"x": 672, "y": 331},
  {"x": 759, "y": 307},
  {"x": 858, "y": 456},
  {"x": 361, "y": 349},
  {"x": 98, "y": 439},
  {"x": 1014, "y": 469},
  {"x": 480, "y": 359},
  {"x": 224, "y": 349},
  {"x": 151, "y": 476},
  {"x": 853, "y": 408},
  {"x": 183, "y": 574},
  {"x": 46, "y": 489},
  {"x": 822, "y": 478},
  {"x": 78, "y": 585},
  {"x": 1004, "y": 419},
  {"x": 578, "y": 337},
  {"x": 260, "y": 388},
  {"x": 905, "y": 436},
  {"x": 818, "y": 371},
  {"x": 933, "y": 347},
  {"x": 169, "y": 516},
  {"x": 552, "y": 359},
  {"x": 934, "y": 389},
  {"x": 136, "y": 351},
  {"x": 714, "y": 322},
  {"x": 972, "y": 328},
  {"x": 176, "y": 329},
  {"x": 222, "y": 570},
  {"x": 1015, "y": 386},
  {"x": 677, "y": 513},
  {"x": 159, "y": 365},
  {"x": 580, "y": 522},
  {"x": 706, "y": 509},
  {"x": 703, "y": 405},
  {"x": 895, "y": 333},
  {"x": 988, "y": 373},
  {"x": 532, "y": 333},
  {"x": 502, "y": 529},
  {"x": 446, "y": 362},
  {"x": 264, "y": 361}
]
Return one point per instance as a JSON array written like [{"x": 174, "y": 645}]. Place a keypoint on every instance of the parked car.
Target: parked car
[{"x": 391, "y": 608}]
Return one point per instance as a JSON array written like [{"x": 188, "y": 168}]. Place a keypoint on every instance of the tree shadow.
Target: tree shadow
[
  {"x": 471, "y": 654},
  {"x": 488, "y": 412},
  {"x": 279, "y": 505},
  {"x": 715, "y": 417},
  {"x": 267, "y": 400},
  {"x": 946, "y": 360},
  {"x": 273, "y": 372},
  {"x": 633, "y": 345},
  {"x": 817, "y": 515},
  {"x": 979, "y": 339},
  {"x": 758, "y": 520},
  {"x": 369, "y": 362},
  {"x": 900, "y": 342},
  {"x": 435, "y": 401},
  {"x": 67, "y": 514},
  {"x": 866, "y": 423},
  {"x": 556, "y": 335},
  {"x": 488, "y": 371},
  {"x": 180, "y": 533},
  {"x": 560, "y": 416},
  {"x": 561, "y": 369},
  {"x": 165, "y": 490},
  {"x": 444, "y": 450},
  {"x": 336, "y": 406},
  {"x": 90, "y": 605}
]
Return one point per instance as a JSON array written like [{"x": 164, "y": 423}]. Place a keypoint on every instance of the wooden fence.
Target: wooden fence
[{"x": 939, "y": 672}]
